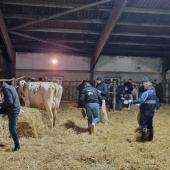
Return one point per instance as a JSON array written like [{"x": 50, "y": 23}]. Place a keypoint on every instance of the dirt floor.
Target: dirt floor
[{"x": 69, "y": 146}]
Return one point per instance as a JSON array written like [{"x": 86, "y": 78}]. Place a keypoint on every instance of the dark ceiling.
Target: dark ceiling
[{"x": 143, "y": 29}]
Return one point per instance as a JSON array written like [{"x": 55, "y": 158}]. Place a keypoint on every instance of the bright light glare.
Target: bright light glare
[{"x": 54, "y": 61}]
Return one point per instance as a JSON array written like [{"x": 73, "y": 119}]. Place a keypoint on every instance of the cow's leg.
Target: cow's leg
[
  {"x": 54, "y": 110},
  {"x": 49, "y": 110}
]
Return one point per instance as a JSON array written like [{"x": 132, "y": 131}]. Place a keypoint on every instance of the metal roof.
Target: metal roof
[{"x": 143, "y": 28}]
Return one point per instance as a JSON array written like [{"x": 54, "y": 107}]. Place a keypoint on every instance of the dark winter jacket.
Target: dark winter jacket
[
  {"x": 102, "y": 89},
  {"x": 11, "y": 104},
  {"x": 90, "y": 95}
]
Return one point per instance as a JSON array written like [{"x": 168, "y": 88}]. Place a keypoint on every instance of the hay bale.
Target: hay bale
[{"x": 30, "y": 124}]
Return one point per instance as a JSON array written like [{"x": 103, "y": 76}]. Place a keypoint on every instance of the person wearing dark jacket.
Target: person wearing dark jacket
[
  {"x": 119, "y": 94},
  {"x": 147, "y": 103},
  {"x": 80, "y": 89},
  {"x": 103, "y": 90},
  {"x": 92, "y": 101},
  {"x": 10, "y": 105}
]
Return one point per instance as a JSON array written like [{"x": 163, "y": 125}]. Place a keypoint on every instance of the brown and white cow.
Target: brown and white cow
[{"x": 42, "y": 95}]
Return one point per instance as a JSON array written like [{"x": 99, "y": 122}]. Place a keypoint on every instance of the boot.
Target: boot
[
  {"x": 91, "y": 129},
  {"x": 16, "y": 148},
  {"x": 150, "y": 134},
  {"x": 142, "y": 135}
]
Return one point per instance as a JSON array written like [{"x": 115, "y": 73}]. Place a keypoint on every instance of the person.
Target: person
[
  {"x": 135, "y": 92},
  {"x": 119, "y": 94},
  {"x": 92, "y": 101},
  {"x": 80, "y": 89},
  {"x": 159, "y": 93},
  {"x": 10, "y": 105},
  {"x": 128, "y": 88},
  {"x": 103, "y": 90},
  {"x": 141, "y": 89},
  {"x": 147, "y": 103}
]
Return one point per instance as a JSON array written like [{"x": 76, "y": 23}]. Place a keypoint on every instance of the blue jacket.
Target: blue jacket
[
  {"x": 11, "y": 103},
  {"x": 147, "y": 100},
  {"x": 103, "y": 89}
]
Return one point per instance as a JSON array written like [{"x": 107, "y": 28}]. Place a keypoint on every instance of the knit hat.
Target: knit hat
[
  {"x": 146, "y": 79},
  {"x": 99, "y": 78}
]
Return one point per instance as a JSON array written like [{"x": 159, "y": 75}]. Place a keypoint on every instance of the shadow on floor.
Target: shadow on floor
[{"x": 71, "y": 125}]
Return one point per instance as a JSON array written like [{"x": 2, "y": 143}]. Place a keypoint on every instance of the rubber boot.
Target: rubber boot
[
  {"x": 142, "y": 135},
  {"x": 150, "y": 134}
]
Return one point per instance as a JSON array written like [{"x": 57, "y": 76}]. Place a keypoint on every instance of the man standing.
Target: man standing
[
  {"x": 103, "y": 90},
  {"x": 147, "y": 103},
  {"x": 92, "y": 100},
  {"x": 10, "y": 105}
]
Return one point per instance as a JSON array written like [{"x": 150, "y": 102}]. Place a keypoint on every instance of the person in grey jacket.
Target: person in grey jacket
[{"x": 10, "y": 105}]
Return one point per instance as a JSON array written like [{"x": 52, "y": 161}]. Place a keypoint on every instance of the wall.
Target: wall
[
  {"x": 129, "y": 67},
  {"x": 69, "y": 67}
]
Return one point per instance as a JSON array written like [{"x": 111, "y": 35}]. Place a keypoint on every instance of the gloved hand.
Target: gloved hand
[
  {"x": 83, "y": 112},
  {"x": 129, "y": 101}
]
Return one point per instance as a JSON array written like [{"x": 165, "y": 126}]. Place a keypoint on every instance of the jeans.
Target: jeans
[
  {"x": 92, "y": 111},
  {"x": 146, "y": 119},
  {"x": 157, "y": 103},
  {"x": 12, "y": 117},
  {"x": 118, "y": 105}
]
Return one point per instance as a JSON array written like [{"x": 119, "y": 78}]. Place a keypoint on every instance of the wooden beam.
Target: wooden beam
[
  {"x": 116, "y": 12},
  {"x": 43, "y": 41},
  {"x": 147, "y": 11},
  {"x": 6, "y": 39},
  {"x": 61, "y": 14}
]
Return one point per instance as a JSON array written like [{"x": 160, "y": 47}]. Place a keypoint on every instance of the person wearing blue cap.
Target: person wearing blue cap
[
  {"x": 10, "y": 105},
  {"x": 147, "y": 103}
]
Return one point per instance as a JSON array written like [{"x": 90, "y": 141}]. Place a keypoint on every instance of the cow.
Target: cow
[{"x": 42, "y": 95}]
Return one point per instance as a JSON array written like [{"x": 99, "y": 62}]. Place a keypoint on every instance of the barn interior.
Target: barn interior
[{"x": 72, "y": 40}]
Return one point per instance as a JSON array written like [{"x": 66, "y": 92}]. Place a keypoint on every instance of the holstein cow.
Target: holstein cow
[{"x": 42, "y": 95}]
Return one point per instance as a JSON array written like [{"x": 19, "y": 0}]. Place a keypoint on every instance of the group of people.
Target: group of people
[
  {"x": 93, "y": 100},
  {"x": 129, "y": 90}
]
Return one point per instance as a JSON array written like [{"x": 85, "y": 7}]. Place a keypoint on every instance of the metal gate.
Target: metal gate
[{"x": 70, "y": 91}]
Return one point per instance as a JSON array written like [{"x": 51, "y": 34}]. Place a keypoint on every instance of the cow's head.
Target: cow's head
[{"x": 23, "y": 92}]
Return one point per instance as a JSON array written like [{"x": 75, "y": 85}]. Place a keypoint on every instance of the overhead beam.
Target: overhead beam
[
  {"x": 25, "y": 48},
  {"x": 46, "y": 4},
  {"x": 61, "y": 14},
  {"x": 62, "y": 30},
  {"x": 80, "y": 21},
  {"x": 43, "y": 41},
  {"x": 136, "y": 53},
  {"x": 116, "y": 12},
  {"x": 148, "y": 25},
  {"x": 74, "y": 41},
  {"x": 147, "y": 11},
  {"x": 141, "y": 35},
  {"x": 78, "y": 31},
  {"x": 6, "y": 39}
]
